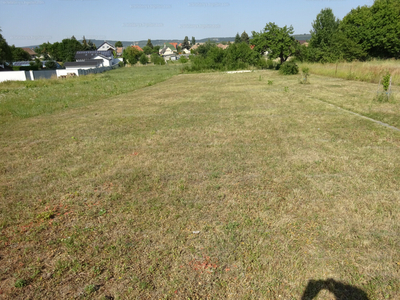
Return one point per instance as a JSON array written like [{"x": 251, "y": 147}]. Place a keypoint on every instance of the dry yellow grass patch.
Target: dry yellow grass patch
[{"x": 206, "y": 186}]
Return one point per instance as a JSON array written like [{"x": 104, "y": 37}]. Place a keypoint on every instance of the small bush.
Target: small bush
[
  {"x": 183, "y": 60},
  {"x": 121, "y": 64},
  {"x": 305, "y": 73},
  {"x": 289, "y": 68},
  {"x": 386, "y": 82}
]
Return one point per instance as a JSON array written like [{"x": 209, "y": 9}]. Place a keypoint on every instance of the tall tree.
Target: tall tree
[
  {"x": 324, "y": 29},
  {"x": 147, "y": 50},
  {"x": 19, "y": 54},
  {"x": 85, "y": 45},
  {"x": 276, "y": 40},
  {"x": 118, "y": 44},
  {"x": 149, "y": 44},
  {"x": 244, "y": 38},
  {"x": 193, "y": 41},
  {"x": 186, "y": 44},
  {"x": 237, "y": 38},
  {"x": 375, "y": 28},
  {"x": 92, "y": 46},
  {"x": 5, "y": 51}
]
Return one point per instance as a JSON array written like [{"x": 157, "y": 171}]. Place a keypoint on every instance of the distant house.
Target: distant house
[
  {"x": 106, "y": 46},
  {"x": 303, "y": 42},
  {"x": 137, "y": 47},
  {"x": 168, "y": 50},
  {"x": 31, "y": 52},
  {"x": 107, "y": 57},
  {"x": 223, "y": 47},
  {"x": 119, "y": 51},
  {"x": 86, "y": 64},
  {"x": 175, "y": 45}
]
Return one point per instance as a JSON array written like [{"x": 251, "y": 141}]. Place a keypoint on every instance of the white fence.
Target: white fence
[
  {"x": 32, "y": 75},
  {"x": 12, "y": 75}
]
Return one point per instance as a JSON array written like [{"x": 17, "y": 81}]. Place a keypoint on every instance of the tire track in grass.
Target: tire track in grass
[{"x": 359, "y": 115}]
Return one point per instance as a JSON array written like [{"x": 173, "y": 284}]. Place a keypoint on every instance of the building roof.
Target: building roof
[
  {"x": 27, "y": 63},
  {"x": 222, "y": 46},
  {"x": 85, "y": 55},
  {"x": 303, "y": 42},
  {"x": 111, "y": 46},
  {"x": 120, "y": 50},
  {"x": 175, "y": 45},
  {"x": 137, "y": 47},
  {"x": 86, "y": 63},
  {"x": 30, "y": 51}
]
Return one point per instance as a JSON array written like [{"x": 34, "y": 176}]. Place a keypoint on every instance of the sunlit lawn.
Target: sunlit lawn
[{"x": 202, "y": 186}]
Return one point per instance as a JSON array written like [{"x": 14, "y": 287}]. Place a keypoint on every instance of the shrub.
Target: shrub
[
  {"x": 386, "y": 82},
  {"x": 143, "y": 59},
  {"x": 305, "y": 73},
  {"x": 121, "y": 64},
  {"x": 157, "y": 60},
  {"x": 270, "y": 64},
  {"x": 51, "y": 65},
  {"x": 183, "y": 59},
  {"x": 289, "y": 68}
]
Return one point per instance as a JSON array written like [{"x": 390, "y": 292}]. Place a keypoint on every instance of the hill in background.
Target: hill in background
[{"x": 162, "y": 42}]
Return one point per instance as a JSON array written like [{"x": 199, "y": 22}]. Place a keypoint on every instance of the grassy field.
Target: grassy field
[
  {"x": 202, "y": 186},
  {"x": 371, "y": 71}
]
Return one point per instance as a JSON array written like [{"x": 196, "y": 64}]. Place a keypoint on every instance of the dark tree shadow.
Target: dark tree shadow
[{"x": 341, "y": 290}]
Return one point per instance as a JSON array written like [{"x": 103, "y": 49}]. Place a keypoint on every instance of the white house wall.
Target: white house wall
[{"x": 106, "y": 62}]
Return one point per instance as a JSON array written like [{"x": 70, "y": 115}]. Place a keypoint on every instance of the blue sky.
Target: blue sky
[{"x": 32, "y": 22}]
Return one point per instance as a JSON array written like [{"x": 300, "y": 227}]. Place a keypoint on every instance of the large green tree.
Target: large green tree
[
  {"x": 375, "y": 28},
  {"x": 149, "y": 44},
  {"x": 329, "y": 43},
  {"x": 324, "y": 29},
  {"x": 118, "y": 44},
  {"x": 276, "y": 40},
  {"x": 147, "y": 50},
  {"x": 131, "y": 55},
  {"x": 19, "y": 54},
  {"x": 237, "y": 38},
  {"x": 5, "y": 50},
  {"x": 193, "y": 41}
]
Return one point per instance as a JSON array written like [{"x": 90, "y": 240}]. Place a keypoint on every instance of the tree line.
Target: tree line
[{"x": 366, "y": 32}]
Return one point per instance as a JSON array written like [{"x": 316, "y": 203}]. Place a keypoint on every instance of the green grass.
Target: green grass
[
  {"x": 32, "y": 98},
  {"x": 203, "y": 186}
]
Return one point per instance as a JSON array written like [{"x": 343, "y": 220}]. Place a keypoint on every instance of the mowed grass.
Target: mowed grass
[
  {"x": 204, "y": 186},
  {"x": 32, "y": 98}
]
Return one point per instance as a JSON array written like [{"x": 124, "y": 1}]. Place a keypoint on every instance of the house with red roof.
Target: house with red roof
[
  {"x": 175, "y": 45},
  {"x": 137, "y": 47}
]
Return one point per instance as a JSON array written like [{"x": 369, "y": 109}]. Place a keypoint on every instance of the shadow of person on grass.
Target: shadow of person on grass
[{"x": 339, "y": 289}]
